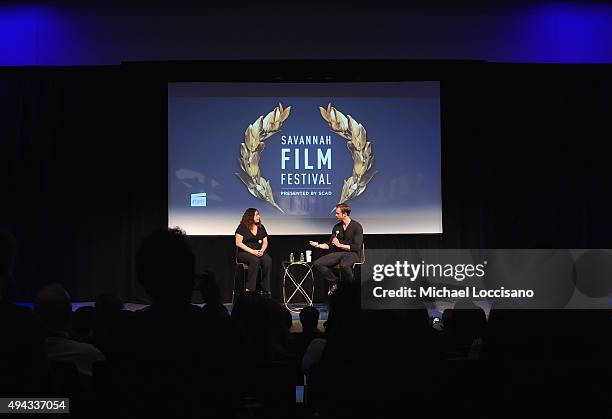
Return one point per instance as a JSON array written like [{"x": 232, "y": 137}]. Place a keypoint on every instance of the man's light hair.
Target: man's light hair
[{"x": 344, "y": 208}]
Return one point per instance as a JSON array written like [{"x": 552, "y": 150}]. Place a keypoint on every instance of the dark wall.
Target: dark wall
[{"x": 84, "y": 179}]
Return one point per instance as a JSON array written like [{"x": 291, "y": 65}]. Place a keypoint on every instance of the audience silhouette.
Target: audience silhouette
[
  {"x": 175, "y": 358},
  {"x": 209, "y": 290},
  {"x": 23, "y": 363},
  {"x": 53, "y": 307}
]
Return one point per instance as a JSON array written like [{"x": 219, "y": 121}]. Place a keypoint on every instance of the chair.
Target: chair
[
  {"x": 361, "y": 260},
  {"x": 245, "y": 268}
]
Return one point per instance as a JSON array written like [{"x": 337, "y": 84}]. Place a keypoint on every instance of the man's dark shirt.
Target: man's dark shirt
[{"x": 353, "y": 236}]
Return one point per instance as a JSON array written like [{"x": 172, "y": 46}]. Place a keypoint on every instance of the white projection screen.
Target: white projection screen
[{"x": 295, "y": 150}]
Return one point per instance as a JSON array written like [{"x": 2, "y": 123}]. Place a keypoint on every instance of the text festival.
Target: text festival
[{"x": 306, "y": 159}]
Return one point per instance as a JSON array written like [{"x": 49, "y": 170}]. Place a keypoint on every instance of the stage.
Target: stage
[{"x": 434, "y": 310}]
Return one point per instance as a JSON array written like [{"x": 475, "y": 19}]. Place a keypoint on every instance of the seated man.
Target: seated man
[
  {"x": 345, "y": 244},
  {"x": 53, "y": 307}
]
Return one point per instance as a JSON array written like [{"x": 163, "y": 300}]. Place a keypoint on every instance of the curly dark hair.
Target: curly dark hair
[{"x": 247, "y": 217}]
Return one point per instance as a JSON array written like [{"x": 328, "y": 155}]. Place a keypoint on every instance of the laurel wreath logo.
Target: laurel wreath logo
[
  {"x": 358, "y": 145},
  {"x": 345, "y": 126},
  {"x": 250, "y": 153}
]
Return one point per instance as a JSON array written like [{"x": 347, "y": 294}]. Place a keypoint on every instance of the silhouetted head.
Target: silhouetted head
[
  {"x": 309, "y": 317},
  {"x": 54, "y": 308},
  {"x": 469, "y": 321},
  {"x": 344, "y": 305},
  {"x": 7, "y": 258},
  {"x": 209, "y": 290},
  {"x": 251, "y": 311},
  {"x": 251, "y": 216},
  {"x": 253, "y": 322},
  {"x": 165, "y": 266},
  {"x": 83, "y": 320},
  {"x": 284, "y": 315},
  {"x": 108, "y": 305},
  {"x": 447, "y": 317}
]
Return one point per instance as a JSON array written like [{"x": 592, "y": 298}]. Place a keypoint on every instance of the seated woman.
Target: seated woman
[{"x": 251, "y": 244}]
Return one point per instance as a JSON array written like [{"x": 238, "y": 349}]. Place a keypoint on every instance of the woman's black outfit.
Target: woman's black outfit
[{"x": 255, "y": 262}]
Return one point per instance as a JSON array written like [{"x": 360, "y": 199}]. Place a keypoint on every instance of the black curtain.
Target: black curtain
[
  {"x": 84, "y": 172},
  {"x": 64, "y": 175}
]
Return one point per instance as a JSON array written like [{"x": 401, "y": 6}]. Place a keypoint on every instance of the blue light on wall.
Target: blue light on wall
[
  {"x": 50, "y": 34},
  {"x": 559, "y": 33},
  {"x": 18, "y": 25},
  {"x": 39, "y": 34}
]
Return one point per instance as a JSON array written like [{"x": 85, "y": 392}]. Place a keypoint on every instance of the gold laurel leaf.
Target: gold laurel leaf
[
  {"x": 253, "y": 171},
  {"x": 357, "y": 140},
  {"x": 323, "y": 112},
  {"x": 358, "y": 145},
  {"x": 364, "y": 135},
  {"x": 268, "y": 189},
  {"x": 285, "y": 113},
  {"x": 370, "y": 162},
  {"x": 353, "y": 125},
  {"x": 268, "y": 121},
  {"x": 250, "y": 153},
  {"x": 255, "y": 134},
  {"x": 351, "y": 147},
  {"x": 254, "y": 158},
  {"x": 359, "y": 167},
  {"x": 348, "y": 182},
  {"x": 274, "y": 121},
  {"x": 247, "y": 137},
  {"x": 338, "y": 125},
  {"x": 251, "y": 141},
  {"x": 332, "y": 118},
  {"x": 256, "y": 129},
  {"x": 342, "y": 120},
  {"x": 369, "y": 175},
  {"x": 359, "y": 190}
]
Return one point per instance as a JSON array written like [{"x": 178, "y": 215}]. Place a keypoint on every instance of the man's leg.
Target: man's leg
[
  {"x": 346, "y": 265},
  {"x": 324, "y": 263}
]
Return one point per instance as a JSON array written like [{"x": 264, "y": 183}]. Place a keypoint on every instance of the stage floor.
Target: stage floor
[
  {"x": 295, "y": 328},
  {"x": 434, "y": 310}
]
